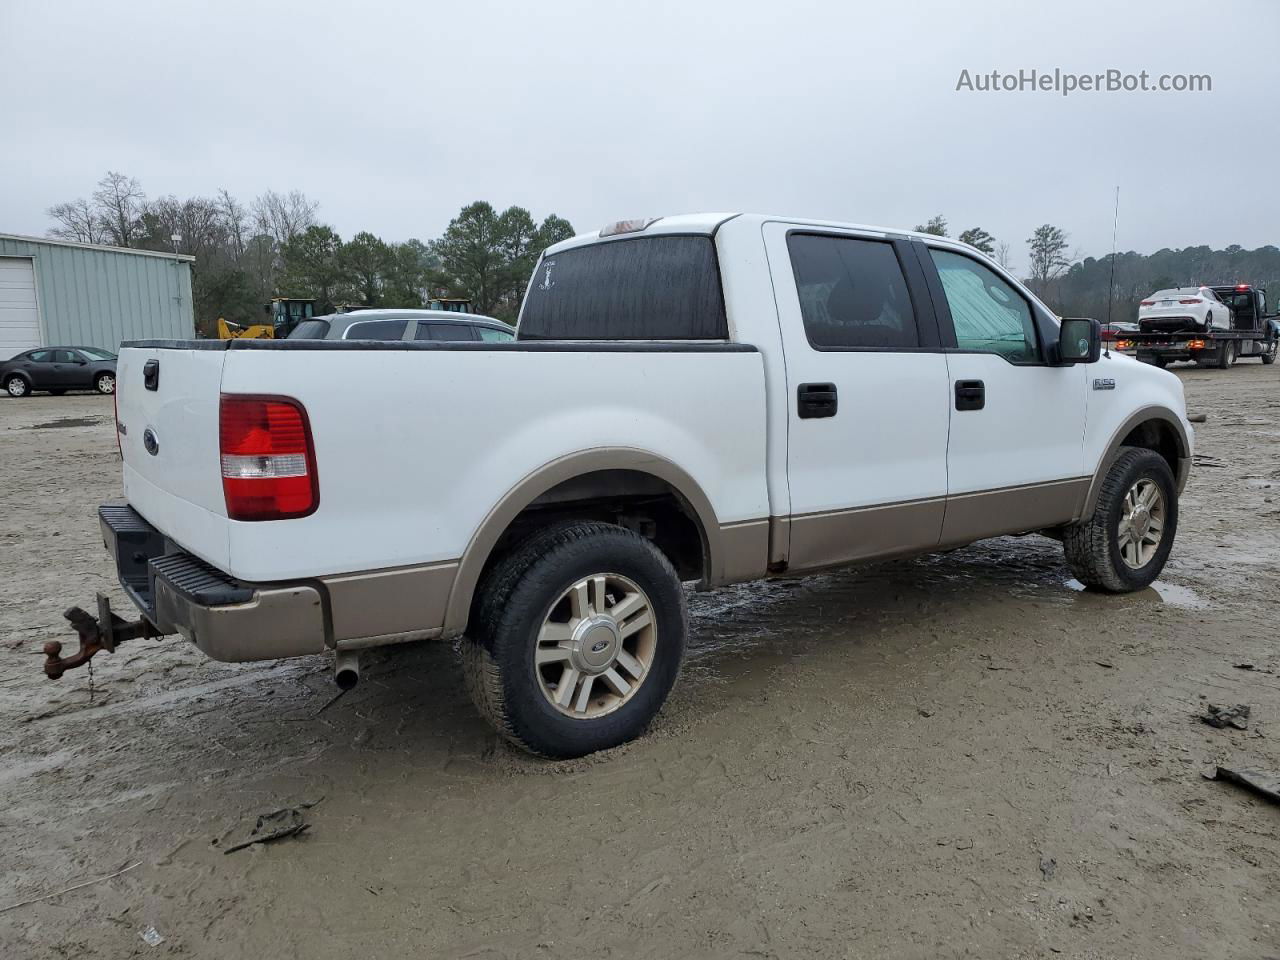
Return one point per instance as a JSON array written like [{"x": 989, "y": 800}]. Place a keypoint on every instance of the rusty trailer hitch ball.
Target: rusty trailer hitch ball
[{"x": 96, "y": 635}]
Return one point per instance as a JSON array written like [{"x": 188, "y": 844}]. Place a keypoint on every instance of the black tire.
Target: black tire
[
  {"x": 1269, "y": 352},
  {"x": 1160, "y": 362},
  {"x": 521, "y": 592},
  {"x": 1227, "y": 354},
  {"x": 105, "y": 383},
  {"x": 16, "y": 386},
  {"x": 1093, "y": 546}
]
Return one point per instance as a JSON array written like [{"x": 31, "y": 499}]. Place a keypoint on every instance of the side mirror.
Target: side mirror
[{"x": 1079, "y": 340}]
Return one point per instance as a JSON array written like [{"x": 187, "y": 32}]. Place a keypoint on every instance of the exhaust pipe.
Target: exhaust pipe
[{"x": 346, "y": 669}]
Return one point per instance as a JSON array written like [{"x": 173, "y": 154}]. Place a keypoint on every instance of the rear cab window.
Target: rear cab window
[{"x": 663, "y": 287}]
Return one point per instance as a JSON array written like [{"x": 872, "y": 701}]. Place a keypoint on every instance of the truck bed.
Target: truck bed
[{"x": 416, "y": 442}]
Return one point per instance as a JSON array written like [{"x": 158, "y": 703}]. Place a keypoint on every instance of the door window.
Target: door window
[
  {"x": 490, "y": 335},
  {"x": 40, "y": 356},
  {"x": 852, "y": 293},
  {"x": 988, "y": 314},
  {"x": 65, "y": 356},
  {"x": 375, "y": 330},
  {"x": 448, "y": 331}
]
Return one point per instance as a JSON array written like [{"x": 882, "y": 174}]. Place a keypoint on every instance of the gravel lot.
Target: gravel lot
[{"x": 955, "y": 755}]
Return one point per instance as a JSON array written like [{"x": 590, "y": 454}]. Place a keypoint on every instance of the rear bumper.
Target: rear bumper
[{"x": 225, "y": 618}]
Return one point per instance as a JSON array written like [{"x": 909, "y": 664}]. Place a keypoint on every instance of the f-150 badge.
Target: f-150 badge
[{"x": 1106, "y": 384}]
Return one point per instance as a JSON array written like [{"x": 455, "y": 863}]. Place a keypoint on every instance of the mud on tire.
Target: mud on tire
[
  {"x": 523, "y": 592},
  {"x": 1093, "y": 546}
]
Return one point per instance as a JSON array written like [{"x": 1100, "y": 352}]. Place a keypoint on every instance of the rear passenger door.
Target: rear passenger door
[
  {"x": 867, "y": 395},
  {"x": 1016, "y": 453}
]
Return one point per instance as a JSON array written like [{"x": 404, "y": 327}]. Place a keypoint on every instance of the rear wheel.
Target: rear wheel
[
  {"x": 17, "y": 386},
  {"x": 1269, "y": 351},
  {"x": 578, "y": 639},
  {"x": 1227, "y": 354},
  {"x": 105, "y": 383},
  {"x": 1125, "y": 544}
]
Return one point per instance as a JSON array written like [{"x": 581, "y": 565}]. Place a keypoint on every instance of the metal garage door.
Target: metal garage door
[{"x": 19, "y": 322}]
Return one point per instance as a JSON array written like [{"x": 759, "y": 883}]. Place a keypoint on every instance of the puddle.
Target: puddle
[
  {"x": 1172, "y": 594},
  {"x": 67, "y": 422}
]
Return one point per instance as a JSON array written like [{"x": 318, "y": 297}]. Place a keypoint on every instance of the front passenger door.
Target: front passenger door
[{"x": 1015, "y": 457}]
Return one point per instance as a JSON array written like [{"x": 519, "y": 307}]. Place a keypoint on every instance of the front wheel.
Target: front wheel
[
  {"x": 105, "y": 383},
  {"x": 1124, "y": 545},
  {"x": 1269, "y": 352},
  {"x": 578, "y": 638}
]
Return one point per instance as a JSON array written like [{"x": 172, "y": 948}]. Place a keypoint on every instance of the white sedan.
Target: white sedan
[{"x": 1183, "y": 309}]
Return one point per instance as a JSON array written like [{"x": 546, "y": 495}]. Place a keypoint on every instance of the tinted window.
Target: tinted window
[
  {"x": 376, "y": 330},
  {"x": 852, "y": 292},
  {"x": 989, "y": 315},
  {"x": 447, "y": 331},
  {"x": 490, "y": 335},
  {"x": 39, "y": 356},
  {"x": 645, "y": 288},
  {"x": 65, "y": 356},
  {"x": 310, "y": 330}
]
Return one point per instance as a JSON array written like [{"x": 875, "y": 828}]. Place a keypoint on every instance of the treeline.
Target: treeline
[
  {"x": 1076, "y": 286},
  {"x": 275, "y": 245}
]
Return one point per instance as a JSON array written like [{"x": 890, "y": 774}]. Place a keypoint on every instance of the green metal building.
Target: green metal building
[{"x": 59, "y": 293}]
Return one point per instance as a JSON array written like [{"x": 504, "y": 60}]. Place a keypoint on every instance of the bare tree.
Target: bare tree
[
  {"x": 235, "y": 219},
  {"x": 119, "y": 203},
  {"x": 282, "y": 216},
  {"x": 1004, "y": 256},
  {"x": 77, "y": 221}
]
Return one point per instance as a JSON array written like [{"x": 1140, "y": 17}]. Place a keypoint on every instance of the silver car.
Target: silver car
[{"x": 403, "y": 324}]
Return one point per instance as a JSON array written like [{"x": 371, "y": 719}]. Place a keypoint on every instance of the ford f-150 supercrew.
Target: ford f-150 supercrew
[{"x": 711, "y": 398}]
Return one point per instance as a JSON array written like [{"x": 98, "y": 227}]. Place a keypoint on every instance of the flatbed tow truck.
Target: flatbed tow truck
[{"x": 1253, "y": 333}]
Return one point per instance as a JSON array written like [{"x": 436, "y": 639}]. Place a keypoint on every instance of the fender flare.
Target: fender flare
[
  {"x": 1181, "y": 471},
  {"x": 550, "y": 475}
]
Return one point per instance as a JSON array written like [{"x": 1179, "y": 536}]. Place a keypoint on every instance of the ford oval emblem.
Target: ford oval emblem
[
  {"x": 599, "y": 645},
  {"x": 150, "y": 441}
]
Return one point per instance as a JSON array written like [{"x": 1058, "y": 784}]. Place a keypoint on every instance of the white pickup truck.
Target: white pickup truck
[{"x": 710, "y": 398}]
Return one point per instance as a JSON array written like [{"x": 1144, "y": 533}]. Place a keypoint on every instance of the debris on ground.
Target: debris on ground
[
  {"x": 1245, "y": 666},
  {"x": 1048, "y": 865},
  {"x": 1261, "y": 782},
  {"x": 1106, "y": 664},
  {"x": 151, "y": 937},
  {"x": 1237, "y": 716},
  {"x": 276, "y": 825}
]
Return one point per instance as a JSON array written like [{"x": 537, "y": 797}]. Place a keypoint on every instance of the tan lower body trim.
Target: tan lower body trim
[
  {"x": 864, "y": 533},
  {"x": 992, "y": 513},
  {"x": 743, "y": 552},
  {"x": 387, "y": 603}
]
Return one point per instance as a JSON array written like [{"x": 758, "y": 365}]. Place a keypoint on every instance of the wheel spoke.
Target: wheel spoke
[
  {"x": 553, "y": 632},
  {"x": 628, "y": 605},
  {"x": 615, "y": 682},
  {"x": 1149, "y": 494},
  {"x": 598, "y": 594},
  {"x": 636, "y": 623},
  {"x": 584, "y": 695},
  {"x": 630, "y": 664},
  {"x": 579, "y": 601},
  {"x": 556, "y": 654},
  {"x": 564, "y": 689}
]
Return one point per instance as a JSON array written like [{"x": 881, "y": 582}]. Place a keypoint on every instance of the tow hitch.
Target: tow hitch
[{"x": 104, "y": 632}]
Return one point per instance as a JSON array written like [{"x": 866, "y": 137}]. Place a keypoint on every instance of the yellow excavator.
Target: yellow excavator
[{"x": 282, "y": 315}]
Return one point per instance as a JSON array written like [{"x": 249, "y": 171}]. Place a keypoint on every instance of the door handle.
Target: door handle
[
  {"x": 816, "y": 400},
  {"x": 970, "y": 395},
  {"x": 151, "y": 374}
]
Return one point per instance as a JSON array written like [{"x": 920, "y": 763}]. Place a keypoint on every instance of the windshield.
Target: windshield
[{"x": 95, "y": 354}]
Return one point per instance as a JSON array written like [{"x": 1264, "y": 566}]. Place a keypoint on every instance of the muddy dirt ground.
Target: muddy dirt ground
[{"x": 952, "y": 756}]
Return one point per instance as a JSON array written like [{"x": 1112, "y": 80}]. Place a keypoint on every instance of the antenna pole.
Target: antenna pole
[{"x": 1111, "y": 289}]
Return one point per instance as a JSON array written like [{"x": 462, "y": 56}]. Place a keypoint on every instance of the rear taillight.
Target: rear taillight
[
  {"x": 1147, "y": 303},
  {"x": 268, "y": 460},
  {"x": 1192, "y": 300}
]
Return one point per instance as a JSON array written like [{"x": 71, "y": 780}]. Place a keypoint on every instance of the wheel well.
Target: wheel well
[
  {"x": 630, "y": 498},
  {"x": 1157, "y": 435}
]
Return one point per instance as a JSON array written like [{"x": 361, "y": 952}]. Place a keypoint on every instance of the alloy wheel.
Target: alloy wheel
[
  {"x": 596, "y": 646},
  {"x": 1142, "y": 518}
]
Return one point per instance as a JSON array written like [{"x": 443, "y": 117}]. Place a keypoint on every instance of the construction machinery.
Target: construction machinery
[{"x": 282, "y": 315}]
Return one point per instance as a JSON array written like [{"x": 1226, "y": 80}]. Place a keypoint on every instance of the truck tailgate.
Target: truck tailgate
[{"x": 167, "y": 408}]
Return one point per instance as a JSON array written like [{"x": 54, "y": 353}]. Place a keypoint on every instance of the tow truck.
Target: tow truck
[{"x": 1253, "y": 333}]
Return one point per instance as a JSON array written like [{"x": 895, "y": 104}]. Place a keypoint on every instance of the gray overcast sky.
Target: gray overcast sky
[{"x": 394, "y": 114}]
